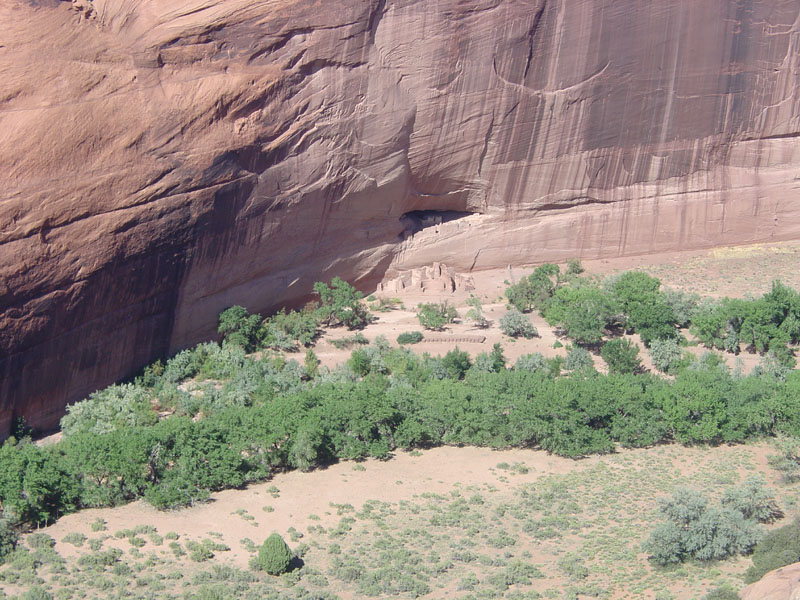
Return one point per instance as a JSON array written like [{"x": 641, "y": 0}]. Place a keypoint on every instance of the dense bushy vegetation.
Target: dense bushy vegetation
[
  {"x": 589, "y": 311},
  {"x": 766, "y": 324},
  {"x": 693, "y": 529},
  {"x": 234, "y": 418},
  {"x": 339, "y": 304},
  {"x": 778, "y": 548},
  {"x": 264, "y": 415}
]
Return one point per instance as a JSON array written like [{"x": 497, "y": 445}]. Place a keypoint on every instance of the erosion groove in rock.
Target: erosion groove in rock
[{"x": 163, "y": 160}]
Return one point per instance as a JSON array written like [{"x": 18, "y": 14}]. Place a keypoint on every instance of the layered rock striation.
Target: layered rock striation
[{"x": 161, "y": 161}]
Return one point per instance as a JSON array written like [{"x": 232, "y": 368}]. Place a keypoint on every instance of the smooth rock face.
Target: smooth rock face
[
  {"x": 162, "y": 160},
  {"x": 780, "y": 584}
]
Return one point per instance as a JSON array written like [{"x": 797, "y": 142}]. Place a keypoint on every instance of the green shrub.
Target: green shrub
[
  {"x": 621, "y": 356},
  {"x": 116, "y": 407},
  {"x": 435, "y": 316},
  {"x": 574, "y": 267},
  {"x": 695, "y": 530},
  {"x": 99, "y": 524},
  {"x": 683, "y": 305},
  {"x": 578, "y": 359},
  {"x": 40, "y": 541},
  {"x": 367, "y": 360},
  {"x": 311, "y": 364},
  {"x": 573, "y": 567},
  {"x": 8, "y": 539},
  {"x": 35, "y": 593},
  {"x": 722, "y": 592},
  {"x": 410, "y": 337},
  {"x": 198, "y": 552},
  {"x": 665, "y": 354},
  {"x": 753, "y": 501},
  {"x": 349, "y": 342},
  {"x": 75, "y": 538},
  {"x": 530, "y": 363},
  {"x": 101, "y": 559},
  {"x": 788, "y": 459},
  {"x": 778, "y": 548},
  {"x": 515, "y": 324},
  {"x": 274, "y": 555}
]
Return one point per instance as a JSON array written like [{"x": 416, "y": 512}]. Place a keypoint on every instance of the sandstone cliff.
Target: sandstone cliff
[
  {"x": 780, "y": 584},
  {"x": 163, "y": 160}
]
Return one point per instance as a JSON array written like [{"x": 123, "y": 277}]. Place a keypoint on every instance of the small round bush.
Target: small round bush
[
  {"x": 410, "y": 337},
  {"x": 578, "y": 359},
  {"x": 515, "y": 324},
  {"x": 722, "y": 592},
  {"x": 274, "y": 556},
  {"x": 530, "y": 362},
  {"x": 665, "y": 354}
]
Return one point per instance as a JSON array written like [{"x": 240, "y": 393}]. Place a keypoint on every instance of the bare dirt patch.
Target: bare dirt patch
[{"x": 447, "y": 522}]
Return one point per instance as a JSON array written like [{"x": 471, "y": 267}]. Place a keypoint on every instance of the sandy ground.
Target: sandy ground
[
  {"x": 302, "y": 494},
  {"x": 302, "y": 497}
]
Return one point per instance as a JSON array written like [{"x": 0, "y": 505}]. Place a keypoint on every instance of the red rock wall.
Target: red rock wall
[{"x": 164, "y": 160}]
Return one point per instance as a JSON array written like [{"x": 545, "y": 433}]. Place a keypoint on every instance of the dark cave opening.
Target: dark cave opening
[{"x": 417, "y": 220}]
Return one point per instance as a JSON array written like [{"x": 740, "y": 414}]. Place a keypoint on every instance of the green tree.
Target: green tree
[
  {"x": 340, "y": 303},
  {"x": 435, "y": 316},
  {"x": 282, "y": 331},
  {"x": 475, "y": 313},
  {"x": 238, "y": 326},
  {"x": 621, "y": 356},
  {"x": 274, "y": 555},
  {"x": 311, "y": 364},
  {"x": 582, "y": 311},
  {"x": 535, "y": 290},
  {"x": 695, "y": 406},
  {"x": 456, "y": 363},
  {"x": 498, "y": 358},
  {"x": 645, "y": 307}
]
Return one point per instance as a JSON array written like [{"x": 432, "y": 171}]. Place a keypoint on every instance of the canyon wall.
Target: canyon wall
[{"x": 161, "y": 161}]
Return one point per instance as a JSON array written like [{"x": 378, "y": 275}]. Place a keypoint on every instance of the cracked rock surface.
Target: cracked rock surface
[{"x": 161, "y": 161}]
